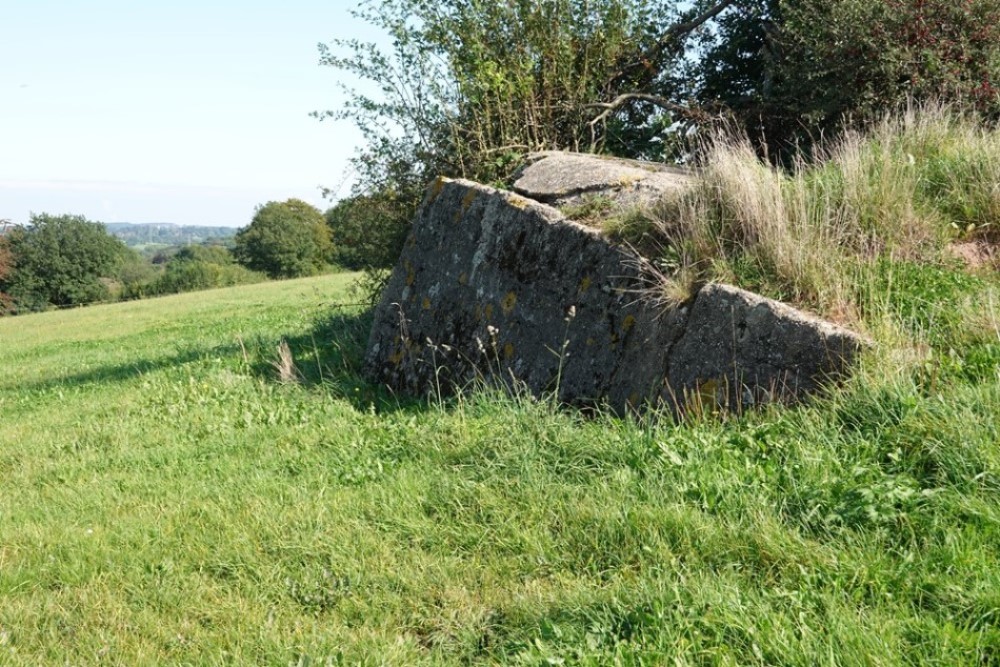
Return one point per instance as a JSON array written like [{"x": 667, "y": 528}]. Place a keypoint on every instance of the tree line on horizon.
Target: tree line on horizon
[
  {"x": 58, "y": 261},
  {"x": 167, "y": 234}
]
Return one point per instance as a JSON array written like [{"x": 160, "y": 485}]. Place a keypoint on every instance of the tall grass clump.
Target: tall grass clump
[{"x": 811, "y": 232}]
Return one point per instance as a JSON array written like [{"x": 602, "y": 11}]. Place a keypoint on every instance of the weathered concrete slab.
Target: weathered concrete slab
[
  {"x": 560, "y": 179},
  {"x": 495, "y": 286},
  {"x": 744, "y": 349}
]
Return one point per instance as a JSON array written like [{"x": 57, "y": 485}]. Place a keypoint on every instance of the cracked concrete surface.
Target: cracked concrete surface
[{"x": 494, "y": 286}]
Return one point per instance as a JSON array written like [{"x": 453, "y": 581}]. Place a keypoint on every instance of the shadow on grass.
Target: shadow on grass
[
  {"x": 330, "y": 357},
  {"x": 118, "y": 373}
]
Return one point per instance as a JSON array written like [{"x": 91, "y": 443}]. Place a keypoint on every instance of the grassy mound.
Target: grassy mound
[{"x": 904, "y": 192}]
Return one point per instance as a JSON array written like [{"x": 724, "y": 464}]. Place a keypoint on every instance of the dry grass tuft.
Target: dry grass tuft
[
  {"x": 810, "y": 234},
  {"x": 288, "y": 373}
]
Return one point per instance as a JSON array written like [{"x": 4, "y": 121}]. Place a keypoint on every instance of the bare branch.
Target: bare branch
[
  {"x": 674, "y": 32},
  {"x": 662, "y": 102},
  {"x": 681, "y": 29}
]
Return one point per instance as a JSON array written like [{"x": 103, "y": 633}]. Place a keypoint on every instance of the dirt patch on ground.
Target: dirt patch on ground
[{"x": 977, "y": 255}]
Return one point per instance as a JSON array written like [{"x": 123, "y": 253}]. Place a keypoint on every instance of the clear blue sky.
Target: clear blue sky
[{"x": 191, "y": 112}]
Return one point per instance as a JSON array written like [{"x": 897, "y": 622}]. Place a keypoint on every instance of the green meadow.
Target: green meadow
[{"x": 167, "y": 499}]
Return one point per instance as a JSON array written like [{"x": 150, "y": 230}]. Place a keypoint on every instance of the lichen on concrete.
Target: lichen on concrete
[
  {"x": 498, "y": 287},
  {"x": 565, "y": 179}
]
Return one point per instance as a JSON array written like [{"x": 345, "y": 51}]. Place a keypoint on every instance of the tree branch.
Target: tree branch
[
  {"x": 680, "y": 29},
  {"x": 698, "y": 115},
  {"x": 662, "y": 102},
  {"x": 652, "y": 54}
]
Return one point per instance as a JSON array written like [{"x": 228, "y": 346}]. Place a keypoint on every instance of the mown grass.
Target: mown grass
[{"x": 166, "y": 500}]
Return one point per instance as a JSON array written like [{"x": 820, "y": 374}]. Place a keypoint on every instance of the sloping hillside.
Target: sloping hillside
[{"x": 167, "y": 499}]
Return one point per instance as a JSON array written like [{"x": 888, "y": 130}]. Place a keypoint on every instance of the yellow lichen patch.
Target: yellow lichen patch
[
  {"x": 707, "y": 393},
  {"x": 397, "y": 357},
  {"x": 634, "y": 398},
  {"x": 411, "y": 275},
  {"x": 436, "y": 187},
  {"x": 585, "y": 284},
  {"x": 518, "y": 202},
  {"x": 614, "y": 339},
  {"x": 467, "y": 200},
  {"x": 426, "y": 303},
  {"x": 488, "y": 311},
  {"x": 591, "y": 342},
  {"x": 479, "y": 313},
  {"x": 628, "y": 323},
  {"x": 508, "y": 351},
  {"x": 508, "y": 303},
  {"x": 463, "y": 279}
]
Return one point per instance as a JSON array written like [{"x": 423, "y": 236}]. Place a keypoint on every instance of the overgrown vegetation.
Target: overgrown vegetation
[
  {"x": 467, "y": 88},
  {"x": 821, "y": 233},
  {"x": 794, "y": 71}
]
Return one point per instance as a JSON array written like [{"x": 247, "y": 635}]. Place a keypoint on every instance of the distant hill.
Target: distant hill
[{"x": 135, "y": 234}]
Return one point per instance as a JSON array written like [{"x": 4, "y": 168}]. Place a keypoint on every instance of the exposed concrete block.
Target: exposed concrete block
[
  {"x": 560, "y": 179},
  {"x": 743, "y": 349},
  {"x": 492, "y": 285}
]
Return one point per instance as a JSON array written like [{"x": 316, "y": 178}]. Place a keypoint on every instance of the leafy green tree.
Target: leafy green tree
[
  {"x": 468, "y": 88},
  {"x": 204, "y": 266},
  {"x": 790, "y": 71},
  {"x": 6, "y": 268},
  {"x": 6, "y": 261},
  {"x": 285, "y": 240},
  {"x": 61, "y": 260},
  {"x": 368, "y": 231}
]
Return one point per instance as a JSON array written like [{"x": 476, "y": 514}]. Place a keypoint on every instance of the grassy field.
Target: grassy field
[{"x": 165, "y": 500}]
